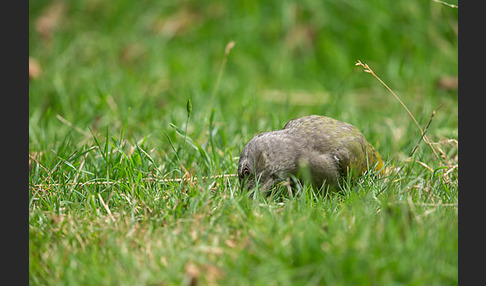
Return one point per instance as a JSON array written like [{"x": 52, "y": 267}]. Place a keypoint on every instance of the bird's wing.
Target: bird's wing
[{"x": 357, "y": 155}]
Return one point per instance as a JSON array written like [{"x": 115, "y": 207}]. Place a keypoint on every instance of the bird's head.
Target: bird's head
[{"x": 253, "y": 168}]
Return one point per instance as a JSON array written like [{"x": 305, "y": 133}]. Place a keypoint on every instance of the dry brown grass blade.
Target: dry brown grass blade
[
  {"x": 227, "y": 51},
  {"x": 422, "y": 132},
  {"x": 42, "y": 186},
  {"x": 106, "y": 207},
  {"x": 425, "y": 129},
  {"x": 155, "y": 180},
  {"x": 445, "y": 3},
  {"x": 81, "y": 166}
]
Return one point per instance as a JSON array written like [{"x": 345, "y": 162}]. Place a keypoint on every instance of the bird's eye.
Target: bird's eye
[{"x": 246, "y": 172}]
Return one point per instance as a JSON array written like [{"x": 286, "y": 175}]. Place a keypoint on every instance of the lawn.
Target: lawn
[{"x": 138, "y": 112}]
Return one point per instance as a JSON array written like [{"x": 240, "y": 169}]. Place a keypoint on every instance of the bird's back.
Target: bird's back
[{"x": 341, "y": 140}]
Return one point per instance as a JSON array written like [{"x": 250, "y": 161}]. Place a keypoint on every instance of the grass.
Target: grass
[{"x": 140, "y": 111}]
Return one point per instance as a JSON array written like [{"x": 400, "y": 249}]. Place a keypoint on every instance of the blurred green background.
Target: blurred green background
[{"x": 105, "y": 64}]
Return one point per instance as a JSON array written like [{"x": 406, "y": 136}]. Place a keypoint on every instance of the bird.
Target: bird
[{"x": 314, "y": 148}]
